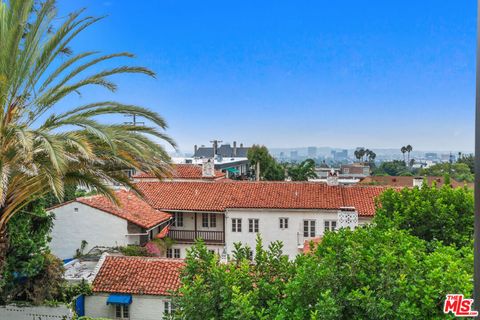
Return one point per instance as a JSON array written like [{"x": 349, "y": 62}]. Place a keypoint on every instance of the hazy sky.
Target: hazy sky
[{"x": 297, "y": 73}]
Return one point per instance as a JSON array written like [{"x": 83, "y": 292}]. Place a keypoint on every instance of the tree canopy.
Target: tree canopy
[
  {"x": 368, "y": 273},
  {"x": 270, "y": 169},
  {"x": 302, "y": 171},
  {"x": 459, "y": 171},
  {"x": 434, "y": 214},
  {"x": 42, "y": 150}
]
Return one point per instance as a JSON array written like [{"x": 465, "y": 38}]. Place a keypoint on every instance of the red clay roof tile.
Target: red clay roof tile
[
  {"x": 131, "y": 208},
  {"x": 210, "y": 196},
  {"x": 138, "y": 275}
]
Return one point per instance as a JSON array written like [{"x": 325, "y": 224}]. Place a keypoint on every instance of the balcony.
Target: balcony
[{"x": 189, "y": 236}]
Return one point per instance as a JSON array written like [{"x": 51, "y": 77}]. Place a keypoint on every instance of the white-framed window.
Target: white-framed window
[
  {"x": 122, "y": 311},
  {"x": 283, "y": 223},
  {"x": 252, "y": 225},
  {"x": 330, "y": 225},
  {"x": 173, "y": 253},
  {"x": 75, "y": 209},
  {"x": 236, "y": 225},
  {"x": 177, "y": 219},
  {"x": 168, "y": 307},
  {"x": 309, "y": 228}
]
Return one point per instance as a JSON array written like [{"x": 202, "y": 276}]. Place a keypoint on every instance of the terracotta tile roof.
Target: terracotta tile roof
[
  {"x": 184, "y": 171},
  {"x": 131, "y": 208},
  {"x": 138, "y": 275},
  {"x": 211, "y": 196},
  {"x": 407, "y": 181}
]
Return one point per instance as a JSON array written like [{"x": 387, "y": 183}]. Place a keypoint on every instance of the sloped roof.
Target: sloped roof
[
  {"x": 218, "y": 196},
  {"x": 407, "y": 181},
  {"x": 184, "y": 171},
  {"x": 138, "y": 275},
  {"x": 131, "y": 208}
]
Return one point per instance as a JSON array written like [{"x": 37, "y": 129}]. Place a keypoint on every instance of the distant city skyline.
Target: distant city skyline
[{"x": 378, "y": 74}]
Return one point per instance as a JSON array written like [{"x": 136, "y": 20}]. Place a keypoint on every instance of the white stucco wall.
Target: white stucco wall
[
  {"x": 143, "y": 307},
  {"x": 98, "y": 228},
  {"x": 269, "y": 227},
  {"x": 184, "y": 246}
]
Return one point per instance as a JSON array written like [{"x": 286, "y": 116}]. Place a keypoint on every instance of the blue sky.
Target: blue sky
[{"x": 296, "y": 73}]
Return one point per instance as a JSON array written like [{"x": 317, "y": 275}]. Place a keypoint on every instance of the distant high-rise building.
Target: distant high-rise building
[
  {"x": 312, "y": 152},
  {"x": 431, "y": 155},
  {"x": 340, "y": 155},
  {"x": 294, "y": 155}
]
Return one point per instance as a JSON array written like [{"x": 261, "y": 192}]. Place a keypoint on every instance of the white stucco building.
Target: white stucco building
[
  {"x": 99, "y": 222},
  {"x": 134, "y": 288},
  {"x": 223, "y": 213}
]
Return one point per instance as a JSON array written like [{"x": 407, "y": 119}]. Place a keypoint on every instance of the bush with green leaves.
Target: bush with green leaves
[
  {"x": 431, "y": 213},
  {"x": 368, "y": 273}
]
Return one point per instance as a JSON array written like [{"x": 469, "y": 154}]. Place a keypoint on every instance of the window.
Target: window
[
  {"x": 213, "y": 220},
  {"x": 283, "y": 223},
  {"x": 173, "y": 253},
  {"x": 75, "y": 209},
  {"x": 122, "y": 311},
  {"x": 330, "y": 225},
  {"x": 252, "y": 225},
  {"x": 309, "y": 228},
  {"x": 205, "y": 220},
  {"x": 211, "y": 251},
  {"x": 177, "y": 219},
  {"x": 236, "y": 225},
  {"x": 209, "y": 220},
  {"x": 168, "y": 307}
]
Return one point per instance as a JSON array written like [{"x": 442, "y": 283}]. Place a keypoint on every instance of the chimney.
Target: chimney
[
  {"x": 241, "y": 145},
  {"x": 417, "y": 181},
  {"x": 208, "y": 168},
  {"x": 332, "y": 178},
  {"x": 347, "y": 217},
  {"x": 234, "y": 149},
  {"x": 195, "y": 148}
]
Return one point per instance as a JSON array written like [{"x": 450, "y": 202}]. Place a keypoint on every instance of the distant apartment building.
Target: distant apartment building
[
  {"x": 340, "y": 155},
  {"x": 232, "y": 160},
  {"x": 312, "y": 152},
  {"x": 294, "y": 155},
  {"x": 431, "y": 156}
]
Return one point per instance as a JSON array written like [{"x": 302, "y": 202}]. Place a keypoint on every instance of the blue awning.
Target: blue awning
[{"x": 118, "y": 298}]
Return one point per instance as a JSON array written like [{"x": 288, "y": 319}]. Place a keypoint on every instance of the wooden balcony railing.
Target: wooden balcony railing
[{"x": 191, "y": 235}]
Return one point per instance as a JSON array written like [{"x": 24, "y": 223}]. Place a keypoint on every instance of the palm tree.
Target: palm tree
[
  {"x": 403, "y": 150},
  {"x": 302, "y": 171},
  {"x": 42, "y": 151},
  {"x": 409, "y": 149}
]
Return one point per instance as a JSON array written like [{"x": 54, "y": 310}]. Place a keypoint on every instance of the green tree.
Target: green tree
[
  {"x": 403, "y": 150},
  {"x": 469, "y": 160},
  {"x": 259, "y": 158},
  {"x": 234, "y": 290},
  {"x": 42, "y": 151},
  {"x": 458, "y": 171},
  {"x": 303, "y": 171},
  {"x": 392, "y": 168},
  {"x": 367, "y": 273},
  {"x": 434, "y": 214},
  {"x": 373, "y": 273}
]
